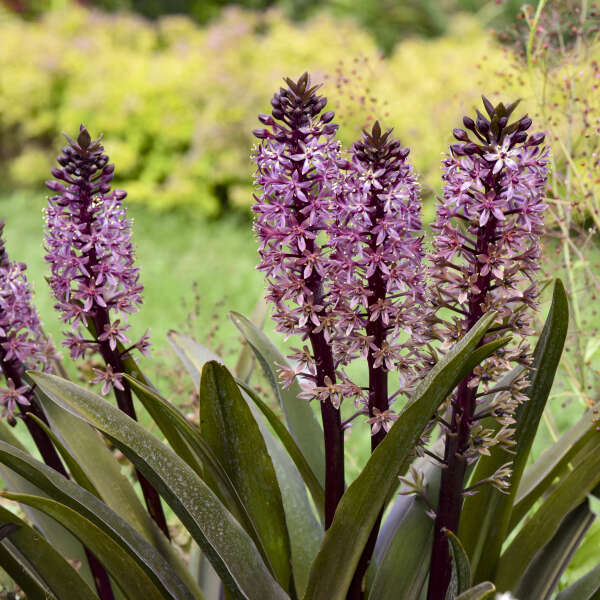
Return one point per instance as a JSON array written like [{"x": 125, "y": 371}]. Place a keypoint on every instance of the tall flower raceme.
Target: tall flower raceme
[
  {"x": 377, "y": 290},
  {"x": 93, "y": 276},
  {"x": 377, "y": 282},
  {"x": 292, "y": 214},
  {"x": 486, "y": 251}
]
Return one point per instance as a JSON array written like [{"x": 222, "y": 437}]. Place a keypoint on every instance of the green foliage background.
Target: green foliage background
[{"x": 177, "y": 102}]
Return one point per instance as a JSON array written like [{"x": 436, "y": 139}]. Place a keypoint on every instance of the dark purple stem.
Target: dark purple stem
[
  {"x": 332, "y": 430},
  {"x": 457, "y": 442},
  {"x": 125, "y": 403}
]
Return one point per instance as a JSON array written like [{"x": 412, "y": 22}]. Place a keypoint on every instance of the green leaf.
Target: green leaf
[
  {"x": 16, "y": 566},
  {"x": 99, "y": 465},
  {"x": 126, "y": 572},
  {"x": 229, "y": 548},
  {"x": 586, "y": 588},
  {"x": 542, "y": 526},
  {"x": 77, "y": 473},
  {"x": 73, "y": 496},
  {"x": 304, "y": 530},
  {"x": 399, "y": 570},
  {"x": 493, "y": 506},
  {"x": 231, "y": 431},
  {"x": 187, "y": 441},
  {"x": 360, "y": 506},
  {"x": 461, "y": 568},
  {"x": 49, "y": 565},
  {"x": 544, "y": 572},
  {"x": 481, "y": 591},
  {"x": 311, "y": 481},
  {"x": 553, "y": 461},
  {"x": 55, "y": 533},
  {"x": 299, "y": 415}
]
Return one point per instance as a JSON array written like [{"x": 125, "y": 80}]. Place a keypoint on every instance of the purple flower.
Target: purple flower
[
  {"x": 90, "y": 252},
  {"x": 377, "y": 281},
  {"x": 486, "y": 251},
  {"x": 292, "y": 214},
  {"x": 293, "y": 210},
  {"x": 22, "y": 343},
  {"x": 11, "y": 396}
]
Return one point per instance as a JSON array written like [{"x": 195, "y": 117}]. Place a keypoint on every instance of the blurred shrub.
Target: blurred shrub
[
  {"x": 389, "y": 21},
  {"x": 177, "y": 102}
]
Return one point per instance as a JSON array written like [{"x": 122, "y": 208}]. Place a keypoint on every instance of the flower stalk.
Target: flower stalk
[
  {"x": 486, "y": 251},
  {"x": 91, "y": 256},
  {"x": 291, "y": 212}
]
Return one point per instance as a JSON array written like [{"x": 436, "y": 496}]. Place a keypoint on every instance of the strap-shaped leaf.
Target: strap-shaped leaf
[
  {"x": 229, "y": 548},
  {"x": 299, "y": 415},
  {"x": 400, "y": 569},
  {"x": 484, "y": 543},
  {"x": 96, "y": 461},
  {"x": 19, "y": 570},
  {"x": 545, "y": 570},
  {"x": 187, "y": 441},
  {"x": 89, "y": 506},
  {"x": 359, "y": 507},
  {"x": 586, "y": 588},
  {"x": 554, "y": 460},
  {"x": 132, "y": 580},
  {"x": 98, "y": 464},
  {"x": 304, "y": 530},
  {"x": 49, "y": 565},
  {"x": 543, "y": 525},
  {"x": 311, "y": 481},
  {"x": 194, "y": 356},
  {"x": 232, "y": 433},
  {"x": 77, "y": 473},
  {"x": 55, "y": 533},
  {"x": 482, "y": 591}
]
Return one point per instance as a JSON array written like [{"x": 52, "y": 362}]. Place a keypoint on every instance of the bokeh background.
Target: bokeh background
[{"x": 175, "y": 87}]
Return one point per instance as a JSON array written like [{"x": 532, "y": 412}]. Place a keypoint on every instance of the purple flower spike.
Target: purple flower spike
[
  {"x": 377, "y": 288},
  {"x": 93, "y": 277},
  {"x": 486, "y": 247},
  {"x": 294, "y": 208},
  {"x": 22, "y": 344},
  {"x": 292, "y": 213},
  {"x": 89, "y": 248},
  {"x": 486, "y": 251}
]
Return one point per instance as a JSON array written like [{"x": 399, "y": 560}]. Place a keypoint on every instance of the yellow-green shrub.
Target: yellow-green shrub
[{"x": 177, "y": 103}]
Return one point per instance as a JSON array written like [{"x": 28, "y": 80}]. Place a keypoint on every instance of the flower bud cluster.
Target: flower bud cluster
[
  {"x": 486, "y": 248},
  {"x": 89, "y": 249},
  {"x": 22, "y": 343}
]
